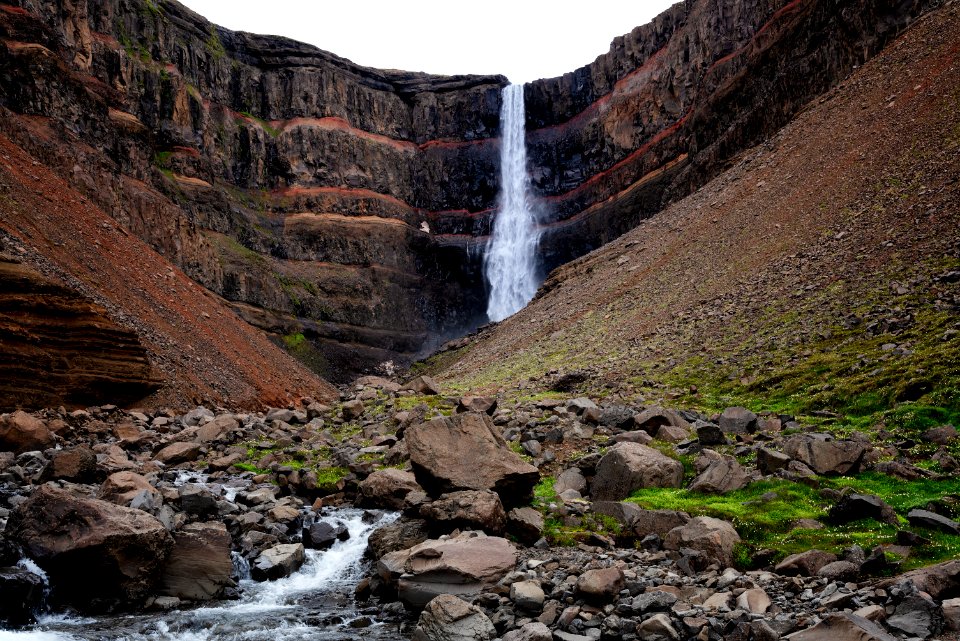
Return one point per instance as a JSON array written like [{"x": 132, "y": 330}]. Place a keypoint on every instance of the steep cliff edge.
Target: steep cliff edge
[
  {"x": 343, "y": 209},
  {"x": 819, "y": 275}
]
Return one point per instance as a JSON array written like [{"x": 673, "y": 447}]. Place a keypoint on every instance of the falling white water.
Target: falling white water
[{"x": 510, "y": 264}]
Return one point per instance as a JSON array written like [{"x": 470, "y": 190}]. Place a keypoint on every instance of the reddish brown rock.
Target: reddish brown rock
[
  {"x": 466, "y": 452},
  {"x": 21, "y": 432},
  {"x": 97, "y": 554}
]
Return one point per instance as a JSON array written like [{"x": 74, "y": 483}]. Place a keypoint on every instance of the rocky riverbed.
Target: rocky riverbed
[{"x": 399, "y": 512}]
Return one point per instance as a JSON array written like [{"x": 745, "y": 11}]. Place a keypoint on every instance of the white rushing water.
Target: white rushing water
[
  {"x": 313, "y": 603},
  {"x": 510, "y": 264}
]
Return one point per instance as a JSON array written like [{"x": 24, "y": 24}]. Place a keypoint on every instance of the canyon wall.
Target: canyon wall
[{"x": 344, "y": 209}]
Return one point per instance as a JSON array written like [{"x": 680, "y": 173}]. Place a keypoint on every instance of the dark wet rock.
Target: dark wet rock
[
  {"x": 709, "y": 433},
  {"x": 21, "y": 595},
  {"x": 96, "y": 553},
  {"x": 322, "y": 535},
  {"x": 278, "y": 562}
]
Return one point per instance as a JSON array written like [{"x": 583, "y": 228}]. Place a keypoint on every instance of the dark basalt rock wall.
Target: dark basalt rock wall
[{"x": 350, "y": 205}]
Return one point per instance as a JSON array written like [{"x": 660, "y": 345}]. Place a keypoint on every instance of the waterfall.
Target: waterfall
[{"x": 510, "y": 264}]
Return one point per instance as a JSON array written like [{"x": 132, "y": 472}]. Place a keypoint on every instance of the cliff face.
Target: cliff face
[{"x": 348, "y": 207}]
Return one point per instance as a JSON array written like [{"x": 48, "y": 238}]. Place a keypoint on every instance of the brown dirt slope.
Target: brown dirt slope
[
  {"x": 820, "y": 271},
  {"x": 204, "y": 352}
]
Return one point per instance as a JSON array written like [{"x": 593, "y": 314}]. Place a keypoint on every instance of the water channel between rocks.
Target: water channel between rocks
[{"x": 315, "y": 602}]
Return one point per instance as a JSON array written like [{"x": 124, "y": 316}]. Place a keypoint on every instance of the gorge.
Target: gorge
[
  {"x": 250, "y": 390},
  {"x": 297, "y": 187}
]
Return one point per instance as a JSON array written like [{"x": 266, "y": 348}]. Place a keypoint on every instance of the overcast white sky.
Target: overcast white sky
[{"x": 522, "y": 39}]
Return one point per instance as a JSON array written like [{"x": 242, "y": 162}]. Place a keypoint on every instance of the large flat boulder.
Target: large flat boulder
[
  {"x": 97, "y": 554},
  {"x": 824, "y": 454},
  {"x": 466, "y": 452},
  {"x": 463, "y": 565},
  {"x": 843, "y": 627},
  {"x": 630, "y": 466},
  {"x": 199, "y": 566}
]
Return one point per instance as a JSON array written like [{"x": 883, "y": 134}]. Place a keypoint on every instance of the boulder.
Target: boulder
[
  {"x": 951, "y": 614},
  {"x": 932, "y": 520},
  {"x": 600, "y": 586},
  {"x": 658, "y": 627},
  {"x": 352, "y": 409},
  {"x": 570, "y": 479},
  {"x": 652, "y": 419},
  {"x": 843, "y": 627},
  {"x": 709, "y": 433},
  {"x": 737, "y": 420},
  {"x": 122, "y": 487},
  {"x": 422, "y": 385},
  {"x": 918, "y": 616},
  {"x": 466, "y": 565},
  {"x": 199, "y": 566},
  {"x": 526, "y": 524},
  {"x": 216, "y": 429},
  {"x": 447, "y": 618},
  {"x": 658, "y": 522},
  {"x": 770, "y": 462},
  {"x": 177, "y": 453},
  {"x": 467, "y": 509},
  {"x": 841, "y": 571},
  {"x": 527, "y": 595},
  {"x": 78, "y": 464},
  {"x": 720, "y": 474},
  {"x": 322, "y": 535},
  {"x": 21, "y": 595},
  {"x": 401, "y": 535},
  {"x": 825, "y": 455},
  {"x": 96, "y": 553},
  {"x": 277, "y": 562},
  {"x": 535, "y": 631},
  {"x": 943, "y": 435},
  {"x": 21, "y": 432},
  {"x": 636, "y": 436},
  {"x": 856, "y": 507},
  {"x": 627, "y": 467},
  {"x": 714, "y": 537},
  {"x": 754, "y": 601},
  {"x": 485, "y": 404},
  {"x": 939, "y": 581},
  {"x": 806, "y": 563},
  {"x": 388, "y": 488},
  {"x": 466, "y": 452},
  {"x": 672, "y": 434}
]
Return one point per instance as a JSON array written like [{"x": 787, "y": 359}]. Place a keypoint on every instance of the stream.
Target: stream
[{"x": 315, "y": 602}]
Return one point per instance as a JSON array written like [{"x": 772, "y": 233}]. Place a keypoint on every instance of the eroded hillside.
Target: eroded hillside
[{"x": 821, "y": 273}]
